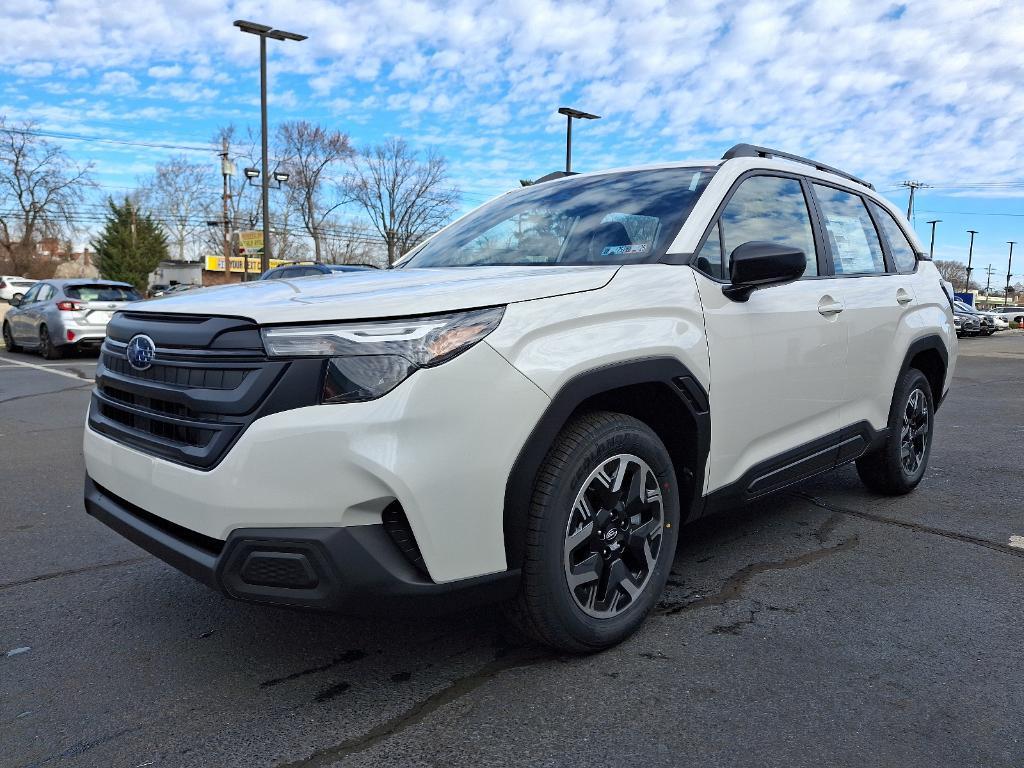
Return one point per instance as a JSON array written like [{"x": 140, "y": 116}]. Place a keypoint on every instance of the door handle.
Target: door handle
[
  {"x": 902, "y": 297},
  {"x": 829, "y": 307}
]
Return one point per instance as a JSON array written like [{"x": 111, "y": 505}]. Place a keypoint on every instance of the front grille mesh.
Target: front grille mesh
[{"x": 178, "y": 375}]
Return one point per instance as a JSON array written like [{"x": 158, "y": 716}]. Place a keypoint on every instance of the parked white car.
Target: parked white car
[
  {"x": 1009, "y": 314},
  {"x": 530, "y": 405},
  {"x": 14, "y": 287}
]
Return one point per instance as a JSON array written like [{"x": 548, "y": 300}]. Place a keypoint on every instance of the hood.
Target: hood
[{"x": 381, "y": 293}]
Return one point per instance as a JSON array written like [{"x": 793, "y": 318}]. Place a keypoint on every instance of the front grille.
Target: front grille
[{"x": 193, "y": 402}]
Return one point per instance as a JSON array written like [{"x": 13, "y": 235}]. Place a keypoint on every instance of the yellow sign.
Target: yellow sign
[
  {"x": 216, "y": 264},
  {"x": 250, "y": 243}
]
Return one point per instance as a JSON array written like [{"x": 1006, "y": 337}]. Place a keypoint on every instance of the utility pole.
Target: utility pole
[
  {"x": 1009, "y": 266},
  {"x": 988, "y": 282},
  {"x": 931, "y": 248},
  {"x": 227, "y": 169},
  {"x": 970, "y": 254},
  {"x": 912, "y": 186}
]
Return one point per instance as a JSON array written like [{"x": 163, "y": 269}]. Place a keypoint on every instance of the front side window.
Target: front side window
[
  {"x": 709, "y": 260},
  {"x": 30, "y": 297},
  {"x": 903, "y": 254},
  {"x": 772, "y": 209},
  {"x": 856, "y": 249},
  {"x": 618, "y": 218}
]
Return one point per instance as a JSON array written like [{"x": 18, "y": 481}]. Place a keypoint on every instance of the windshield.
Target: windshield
[
  {"x": 102, "y": 293},
  {"x": 620, "y": 218}
]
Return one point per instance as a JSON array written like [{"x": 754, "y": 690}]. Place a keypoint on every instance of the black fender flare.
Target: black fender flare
[
  {"x": 578, "y": 389},
  {"x": 925, "y": 343}
]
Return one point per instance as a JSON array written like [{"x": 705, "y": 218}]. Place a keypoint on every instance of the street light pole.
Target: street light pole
[
  {"x": 931, "y": 248},
  {"x": 571, "y": 113},
  {"x": 970, "y": 255},
  {"x": 263, "y": 32}
]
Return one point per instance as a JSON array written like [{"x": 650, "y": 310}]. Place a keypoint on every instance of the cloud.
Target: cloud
[
  {"x": 34, "y": 69},
  {"x": 117, "y": 82},
  {"x": 161, "y": 72}
]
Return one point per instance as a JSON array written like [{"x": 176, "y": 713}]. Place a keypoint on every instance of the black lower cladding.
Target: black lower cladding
[
  {"x": 356, "y": 569},
  {"x": 208, "y": 381}
]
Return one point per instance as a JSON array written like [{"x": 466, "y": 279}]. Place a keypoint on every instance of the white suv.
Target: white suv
[{"x": 528, "y": 407}]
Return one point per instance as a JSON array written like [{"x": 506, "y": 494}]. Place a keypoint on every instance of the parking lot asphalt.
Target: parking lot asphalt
[{"x": 823, "y": 627}]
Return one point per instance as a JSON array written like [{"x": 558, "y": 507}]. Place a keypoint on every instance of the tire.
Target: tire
[
  {"x": 9, "y": 339},
  {"x": 898, "y": 466},
  {"x": 575, "y": 493},
  {"x": 47, "y": 348}
]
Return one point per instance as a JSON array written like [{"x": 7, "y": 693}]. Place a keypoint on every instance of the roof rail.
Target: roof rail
[{"x": 749, "y": 150}]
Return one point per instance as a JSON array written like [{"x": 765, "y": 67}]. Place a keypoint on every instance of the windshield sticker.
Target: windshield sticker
[{"x": 619, "y": 250}]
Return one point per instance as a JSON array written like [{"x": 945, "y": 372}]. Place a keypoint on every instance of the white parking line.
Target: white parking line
[
  {"x": 1017, "y": 541},
  {"x": 8, "y": 361}
]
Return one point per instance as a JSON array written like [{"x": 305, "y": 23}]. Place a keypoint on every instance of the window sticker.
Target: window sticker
[
  {"x": 619, "y": 250},
  {"x": 851, "y": 243}
]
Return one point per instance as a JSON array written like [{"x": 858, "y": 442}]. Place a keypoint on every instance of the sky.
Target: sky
[{"x": 928, "y": 91}]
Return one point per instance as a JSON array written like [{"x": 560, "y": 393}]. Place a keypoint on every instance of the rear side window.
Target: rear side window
[
  {"x": 101, "y": 293},
  {"x": 769, "y": 208},
  {"x": 45, "y": 293},
  {"x": 856, "y": 249},
  {"x": 903, "y": 255}
]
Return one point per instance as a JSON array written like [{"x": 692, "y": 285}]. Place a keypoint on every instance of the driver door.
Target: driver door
[
  {"x": 20, "y": 317},
  {"x": 777, "y": 359}
]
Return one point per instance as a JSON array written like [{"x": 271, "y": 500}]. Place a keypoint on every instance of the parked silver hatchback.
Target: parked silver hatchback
[{"x": 58, "y": 315}]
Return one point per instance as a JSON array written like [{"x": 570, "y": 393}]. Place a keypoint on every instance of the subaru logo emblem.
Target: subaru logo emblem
[{"x": 141, "y": 350}]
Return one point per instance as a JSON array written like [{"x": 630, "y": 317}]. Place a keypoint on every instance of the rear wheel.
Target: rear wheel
[
  {"x": 898, "y": 466},
  {"x": 46, "y": 346},
  {"x": 9, "y": 339},
  {"x": 601, "y": 534}
]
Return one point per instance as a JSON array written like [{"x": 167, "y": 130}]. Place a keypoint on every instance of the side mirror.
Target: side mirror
[
  {"x": 759, "y": 264},
  {"x": 16, "y": 301}
]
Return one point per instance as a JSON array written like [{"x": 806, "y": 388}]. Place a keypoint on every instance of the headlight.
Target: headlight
[{"x": 368, "y": 359}]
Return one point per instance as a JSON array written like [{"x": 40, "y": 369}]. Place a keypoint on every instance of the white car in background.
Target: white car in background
[
  {"x": 12, "y": 286},
  {"x": 1009, "y": 314}
]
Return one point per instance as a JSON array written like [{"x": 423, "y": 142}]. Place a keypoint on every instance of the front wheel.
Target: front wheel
[
  {"x": 9, "y": 339},
  {"x": 898, "y": 466},
  {"x": 601, "y": 534}
]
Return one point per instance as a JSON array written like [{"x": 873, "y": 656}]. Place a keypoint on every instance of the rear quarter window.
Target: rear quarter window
[{"x": 903, "y": 254}]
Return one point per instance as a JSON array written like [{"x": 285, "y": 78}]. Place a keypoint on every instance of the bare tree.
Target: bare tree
[
  {"x": 179, "y": 193},
  {"x": 352, "y": 242},
  {"x": 955, "y": 272},
  {"x": 311, "y": 152},
  {"x": 40, "y": 189},
  {"x": 406, "y": 198}
]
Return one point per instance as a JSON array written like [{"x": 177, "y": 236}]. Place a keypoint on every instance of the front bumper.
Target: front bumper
[
  {"x": 355, "y": 569},
  {"x": 441, "y": 445}
]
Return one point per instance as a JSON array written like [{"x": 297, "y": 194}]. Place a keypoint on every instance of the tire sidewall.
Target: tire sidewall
[
  {"x": 586, "y": 629},
  {"x": 912, "y": 379}
]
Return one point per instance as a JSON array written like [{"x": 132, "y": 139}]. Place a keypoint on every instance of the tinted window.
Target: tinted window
[
  {"x": 709, "y": 260},
  {"x": 903, "y": 255},
  {"x": 101, "y": 293},
  {"x": 851, "y": 233},
  {"x": 772, "y": 209},
  {"x": 620, "y": 218},
  {"x": 29, "y": 297}
]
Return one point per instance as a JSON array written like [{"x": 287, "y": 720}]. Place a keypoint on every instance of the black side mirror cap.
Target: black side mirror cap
[
  {"x": 759, "y": 264},
  {"x": 15, "y": 301}
]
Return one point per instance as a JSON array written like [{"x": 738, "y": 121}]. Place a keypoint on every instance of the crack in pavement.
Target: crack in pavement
[
  {"x": 917, "y": 527},
  {"x": 71, "y": 572},
  {"x": 737, "y": 583},
  {"x": 346, "y": 658},
  {"x": 43, "y": 394},
  {"x": 81, "y": 747},
  {"x": 420, "y": 710}
]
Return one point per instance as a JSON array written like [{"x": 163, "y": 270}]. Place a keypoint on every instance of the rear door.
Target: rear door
[
  {"x": 777, "y": 359},
  {"x": 878, "y": 299},
  {"x": 34, "y": 313}
]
